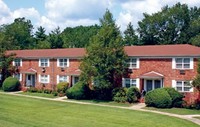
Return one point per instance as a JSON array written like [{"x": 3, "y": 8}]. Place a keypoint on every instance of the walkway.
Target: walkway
[{"x": 138, "y": 107}]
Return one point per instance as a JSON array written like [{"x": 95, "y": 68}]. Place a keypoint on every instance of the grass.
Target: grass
[
  {"x": 38, "y": 94},
  {"x": 112, "y": 103},
  {"x": 20, "y": 111},
  {"x": 180, "y": 111}
]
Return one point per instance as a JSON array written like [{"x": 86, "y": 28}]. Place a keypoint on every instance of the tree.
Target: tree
[
  {"x": 18, "y": 35},
  {"x": 196, "y": 81},
  {"x": 130, "y": 38},
  {"x": 41, "y": 39},
  {"x": 6, "y": 67},
  {"x": 55, "y": 38},
  {"x": 105, "y": 61},
  {"x": 40, "y": 34},
  {"x": 172, "y": 25},
  {"x": 79, "y": 36}
]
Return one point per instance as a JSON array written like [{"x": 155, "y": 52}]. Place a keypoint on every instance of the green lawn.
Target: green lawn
[
  {"x": 18, "y": 111},
  {"x": 180, "y": 111},
  {"x": 112, "y": 103},
  {"x": 38, "y": 94}
]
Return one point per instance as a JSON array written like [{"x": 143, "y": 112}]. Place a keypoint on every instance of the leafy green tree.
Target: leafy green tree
[
  {"x": 196, "y": 81},
  {"x": 130, "y": 38},
  {"x": 55, "y": 38},
  {"x": 79, "y": 36},
  {"x": 105, "y": 59},
  {"x": 6, "y": 68},
  {"x": 172, "y": 25},
  {"x": 18, "y": 35}
]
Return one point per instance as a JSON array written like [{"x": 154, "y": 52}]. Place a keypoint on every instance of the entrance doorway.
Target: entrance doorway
[
  {"x": 151, "y": 84},
  {"x": 30, "y": 80}
]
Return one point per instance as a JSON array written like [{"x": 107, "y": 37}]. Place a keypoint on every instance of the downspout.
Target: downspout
[{"x": 53, "y": 75}]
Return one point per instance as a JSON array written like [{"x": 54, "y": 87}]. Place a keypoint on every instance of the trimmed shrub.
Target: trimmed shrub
[
  {"x": 62, "y": 87},
  {"x": 119, "y": 94},
  {"x": 177, "y": 98},
  {"x": 47, "y": 91},
  {"x": 133, "y": 94},
  {"x": 11, "y": 84},
  {"x": 78, "y": 91},
  {"x": 55, "y": 93},
  {"x": 32, "y": 90},
  {"x": 158, "y": 98}
]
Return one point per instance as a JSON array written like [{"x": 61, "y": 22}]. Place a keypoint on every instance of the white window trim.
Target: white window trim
[
  {"x": 48, "y": 79},
  {"x": 174, "y": 86},
  {"x": 174, "y": 63},
  {"x": 137, "y": 82},
  {"x": 20, "y": 76},
  {"x": 58, "y": 77},
  {"x": 58, "y": 62},
  {"x": 137, "y": 63},
  {"x": 20, "y": 62},
  {"x": 40, "y": 62}
]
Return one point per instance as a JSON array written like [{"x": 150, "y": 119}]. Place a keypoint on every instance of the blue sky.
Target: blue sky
[{"x": 70, "y": 13}]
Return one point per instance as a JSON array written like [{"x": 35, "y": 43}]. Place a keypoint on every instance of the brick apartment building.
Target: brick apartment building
[{"x": 150, "y": 67}]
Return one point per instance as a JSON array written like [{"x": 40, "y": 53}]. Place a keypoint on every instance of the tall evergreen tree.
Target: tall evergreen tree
[
  {"x": 40, "y": 34},
  {"x": 55, "y": 38},
  {"x": 105, "y": 59},
  {"x": 130, "y": 38}
]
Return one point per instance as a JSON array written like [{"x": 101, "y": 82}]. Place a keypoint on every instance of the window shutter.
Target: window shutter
[
  {"x": 57, "y": 79},
  {"x": 123, "y": 82},
  {"x": 68, "y": 62},
  {"x": 48, "y": 62},
  {"x": 21, "y": 62},
  {"x": 20, "y": 77},
  {"x": 138, "y": 83},
  {"x": 191, "y": 89},
  {"x": 173, "y": 63},
  {"x": 57, "y": 62},
  {"x": 39, "y": 78},
  {"x": 191, "y": 63},
  {"x": 138, "y": 63},
  {"x": 68, "y": 79},
  {"x": 174, "y": 84},
  {"x": 48, "y": 78},
  {"x": 39, "y": 64}
]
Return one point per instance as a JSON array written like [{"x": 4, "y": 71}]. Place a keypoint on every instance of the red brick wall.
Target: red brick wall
[
  {"x": 164, "y": 67},
  {"x": 52, "y": 70}
]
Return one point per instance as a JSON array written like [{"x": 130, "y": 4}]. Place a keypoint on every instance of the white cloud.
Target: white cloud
[
  {"x": 70, "y": 13},
  {"x": 30, "y": 13}
]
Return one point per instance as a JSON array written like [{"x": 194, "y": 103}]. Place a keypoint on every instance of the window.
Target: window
[
  {"x": 62, "y": 78},
  {"x": 44, "y": 78},
  {"x": 127, "y": 82},
  {"x": 44, "y": 62},
  {"x": 183, "y": 86},
  {"x": 133, "y": 63},
  {"x": 18, "y": 76},
  {"x": 63, "y": 62},
  {"x": 182, "y": 63},
  {"x": 17, "y": 62}
]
